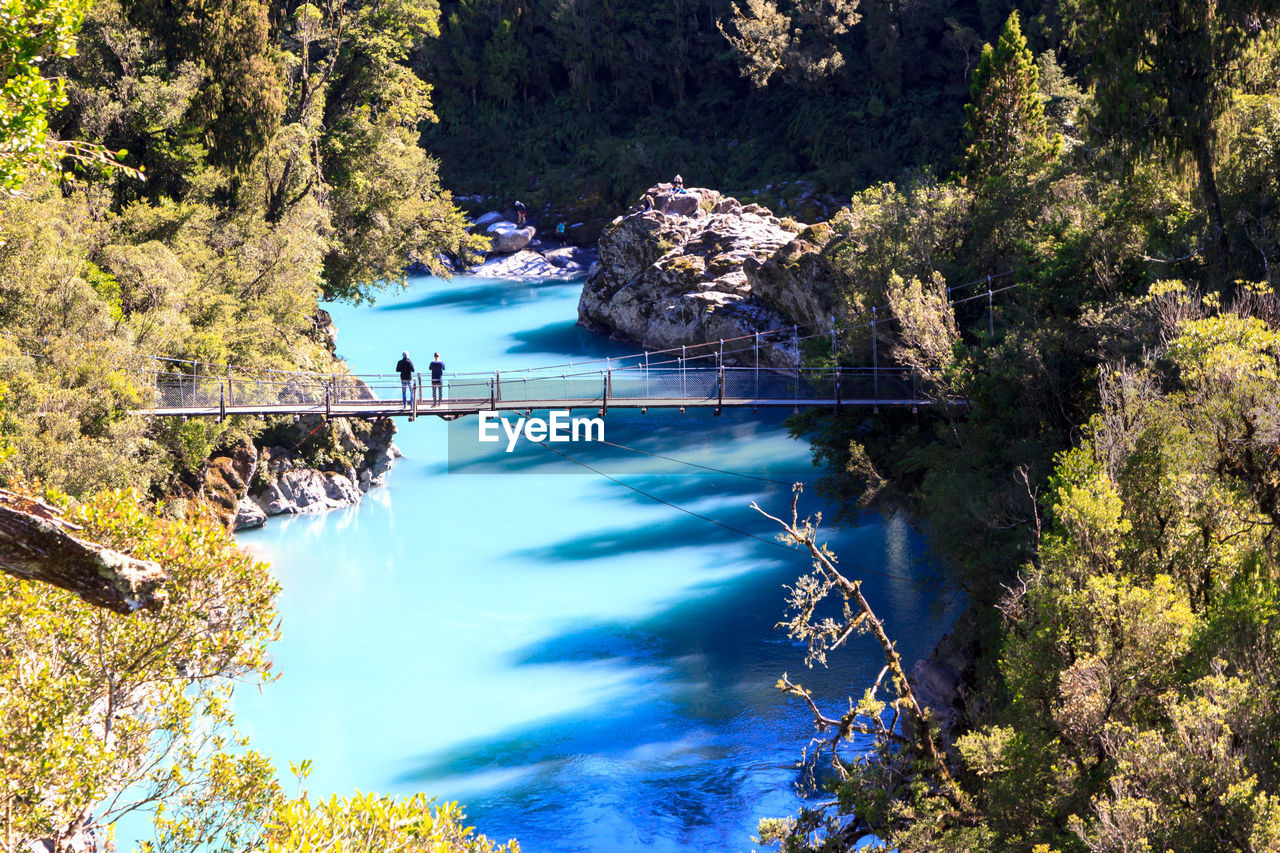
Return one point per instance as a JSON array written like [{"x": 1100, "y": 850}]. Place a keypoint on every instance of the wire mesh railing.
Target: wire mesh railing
[{"x": 682, "y": 384}]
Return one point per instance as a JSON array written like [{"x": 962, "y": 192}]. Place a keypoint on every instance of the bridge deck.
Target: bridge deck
[{"x": 458, "y": 408}]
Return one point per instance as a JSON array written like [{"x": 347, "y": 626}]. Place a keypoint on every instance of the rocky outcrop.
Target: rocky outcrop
[
  {"x": 227, "y": 478},
  {"x": 305, "y": 490},
  {"x": 248, "y": 515},
  {"x": 939, "y": 681},
  {"x": 518, "y": 252},
  {"x": 797, "y": 281},
  {"x": 304, "y": 469},
  {"x": 697, "y": 267}
]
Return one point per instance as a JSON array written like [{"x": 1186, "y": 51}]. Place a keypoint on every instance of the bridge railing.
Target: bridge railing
[{"x": 587, "y": 387}]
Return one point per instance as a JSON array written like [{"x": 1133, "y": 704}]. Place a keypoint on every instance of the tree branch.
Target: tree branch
[{"x": 35, "y": 545}]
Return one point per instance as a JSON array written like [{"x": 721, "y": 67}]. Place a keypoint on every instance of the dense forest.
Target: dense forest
[
  {"x": 190, "y": 179},
  {"x": 582, "y": 104}
]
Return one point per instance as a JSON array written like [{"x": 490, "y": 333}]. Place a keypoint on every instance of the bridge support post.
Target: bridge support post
[
  {"x": 720, "y": 389},
  {"x": 875, "y": 358},
  {"x": 231, "y": 392},
  {"x": 604, "y": 395},
  {"x": 222, "y": 403},
  {"x": 497, "y": 387},
  {"x": 991, "y": 311},
  {"x": 795, "y": 339},
  {"x": 757, "y": 349},
  {"x": 837, "y": 389},
  {"x": 328, "y": 401}
]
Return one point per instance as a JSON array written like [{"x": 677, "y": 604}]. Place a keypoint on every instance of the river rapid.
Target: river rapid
[{"x": 583, "y": 667}]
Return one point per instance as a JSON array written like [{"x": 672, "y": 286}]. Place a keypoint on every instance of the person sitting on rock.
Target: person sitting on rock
[
  {"x": 677, "y": 185},
  {"x": 520, "y": 213}
]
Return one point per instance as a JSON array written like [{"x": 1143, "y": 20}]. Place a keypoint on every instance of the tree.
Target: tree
[
  {"x": 904, "y": 749},
  {"x": 799, "y": 43},
  {"x": 103, "y": 714},
  {"x": 1163, "y": 72},
  {"x": 372, "y": 823},
  {"x": 33, "y": 33},
  {"x": 1006, "y": 124}
]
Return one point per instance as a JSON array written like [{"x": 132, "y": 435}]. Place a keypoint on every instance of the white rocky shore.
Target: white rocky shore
[{"x": 519, "y": 253}]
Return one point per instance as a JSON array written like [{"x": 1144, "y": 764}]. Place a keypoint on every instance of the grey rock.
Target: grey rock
[
  {"x": 522, "y": 264},
  {"x": 507, "y": 238},
  {"x": 375, "y": 473},
  {"x": 339, "y": 490},
  {"x": 249, "y": 515},
  {"x": 485, "y": 221},
  {"x": 305, "y": 490},
  {"x": 666, "y": 280}
]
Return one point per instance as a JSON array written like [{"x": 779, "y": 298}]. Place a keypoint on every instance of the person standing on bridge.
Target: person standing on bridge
[
  {"x": 437, "y": 380},
  {"x": 405, "y": 368}
]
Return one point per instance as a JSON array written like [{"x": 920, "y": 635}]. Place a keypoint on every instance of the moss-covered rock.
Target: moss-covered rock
[{"x": 673, "y": 272}]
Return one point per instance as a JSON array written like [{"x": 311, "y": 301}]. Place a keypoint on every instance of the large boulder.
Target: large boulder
[
  {"x": 486, "y": 220},
  {"x": 673, "y": 272},
  {"x": 507, "y": 238},
  {"x": 361, "y": 453},
  {"x": 798, "y": 281},
  {"x": 375, "y": 474},
  {"x": 525, "y": 263},
  {"x": 305, "y": 490}
]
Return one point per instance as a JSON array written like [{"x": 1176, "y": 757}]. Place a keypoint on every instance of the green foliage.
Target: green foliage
[
  {"x": 32, "y": 33},
  {"x": 798, "y": 44},
  {"x": 1006, "y": 124},
  {"x": 103, "y": 715},
  {"x": 1163, "y": 72},
  {"x": 608, "y": 97},
  {"x": 372, "y": 823}
]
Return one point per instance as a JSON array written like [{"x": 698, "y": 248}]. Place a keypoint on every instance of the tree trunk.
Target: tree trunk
[
  {"x": 1218, "y": 249},
  {"x": 35, "y": 546}
]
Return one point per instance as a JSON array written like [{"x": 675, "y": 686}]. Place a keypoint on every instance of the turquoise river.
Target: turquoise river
[{"x": 583, "y": 667}]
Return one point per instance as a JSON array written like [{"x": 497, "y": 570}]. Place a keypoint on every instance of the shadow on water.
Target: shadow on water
[
  {"x": 629, "y": 706},
  {"x": 695, "y": 701},
  {"x": 479, "y": 295},
  {"x": 568, "y": 336}
]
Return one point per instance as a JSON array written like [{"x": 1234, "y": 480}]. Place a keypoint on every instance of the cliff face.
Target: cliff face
[
  {"x": 300, "y": 467},
  {"x": 696, "y": 267}
]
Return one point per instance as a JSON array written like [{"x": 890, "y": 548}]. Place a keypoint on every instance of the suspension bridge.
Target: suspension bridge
[{"x": 697, "y": 376}]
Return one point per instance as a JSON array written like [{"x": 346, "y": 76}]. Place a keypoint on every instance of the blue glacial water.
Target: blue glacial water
[{"x": 582, "y": 667}]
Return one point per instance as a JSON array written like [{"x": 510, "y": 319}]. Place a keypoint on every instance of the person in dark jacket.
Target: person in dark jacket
[
  {"x": 405, "y": 368},
  {"x": 437, "y": 380}
]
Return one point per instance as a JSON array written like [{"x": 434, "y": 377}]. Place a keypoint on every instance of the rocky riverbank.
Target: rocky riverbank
[
  {"x": 301, "y": 467},
  {"x": 518, "y": 252},
  {"x": 697, "y": 267}
]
